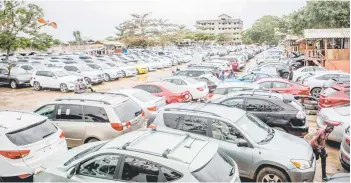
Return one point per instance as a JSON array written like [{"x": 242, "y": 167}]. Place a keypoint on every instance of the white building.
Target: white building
[{"x": 225, "y": 25}]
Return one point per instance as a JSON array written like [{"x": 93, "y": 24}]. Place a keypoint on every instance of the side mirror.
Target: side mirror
[
  {"x": 243, "y": 143},
  {"x": 71, "y": 172},
  {"x": 78, "y": 71},
  {"x": 54, "y": 77}
]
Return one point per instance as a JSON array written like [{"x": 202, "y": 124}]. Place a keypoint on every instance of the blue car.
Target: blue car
[{"x": 250, "y": 77}]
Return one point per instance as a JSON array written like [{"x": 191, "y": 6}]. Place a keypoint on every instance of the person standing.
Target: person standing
[
  {"x": 318, "y": 146},
  {"x": 221, "y": 75}
]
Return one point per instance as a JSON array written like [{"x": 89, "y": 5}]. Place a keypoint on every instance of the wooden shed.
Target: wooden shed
[
  {"x": 329, "y": 48},
  {"x": 290, "y": 44}
]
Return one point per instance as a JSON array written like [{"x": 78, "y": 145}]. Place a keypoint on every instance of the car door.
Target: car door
[
  {"x": 266, "y": 84},
  {"x": 258, "y": 107},
  {"x": 281, "y": 87},
  {"x": 97, "y": 168},
  {"x": 51, "y": 80},
  {"x": 4, "y": 76},
  {"x": 227, "y": 136},
  {"x": 69, "y": 117}
]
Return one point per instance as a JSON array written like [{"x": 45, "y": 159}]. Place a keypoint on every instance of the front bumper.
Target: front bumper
[
  {"x": 97, "y": 80},
  {"x": 344, "y": 159},
  {"x": 143, "y": 70},
  {"x": 71, "y": 86},
  {"x": 26, "y": 83},
  {"x": 299, "y": 131},
  {"x": 307, "y": 175}
]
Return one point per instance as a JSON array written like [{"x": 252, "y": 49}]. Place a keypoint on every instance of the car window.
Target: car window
[
  {"x": 224, "y": 131},
  {"x": 137, "y": 170},
  {"x": 220, "y": 91},
  {"x": 154, "y": 89},
  {"x": 280, "y": 85},
  {"x": 127, "y": 111},
  {"x": 71, "y": 68},
  {"x": 347, "y": 93},
  {"x": 47, "y": 111},
  {"x": 32, "y": 133},
  {"x": 259, "y": 105},
  {"x": 103, "y": 167},
  {"x": 95, "y": 114},
  {"x": 142, "y": 87},
  {"x": 327, "y": 76},
  {"x": 195, "y": 73},
  {"x": 3, "y": 71},
  {"x": 170, "y": 175},
  {"x": 181, "y": 73},
  {"x": 261, "y": 76},
  {"x": 248, "y": 77},
  {"x": 40, "y": 73},
  {"x": 50, "y": 74},
  {"x": 237, "y": 102},
  {"x": 178, "y": 82},
  {"x": 266, "y": 85},
  {"x": 69, "y": 112},
  {"x": 193, "y": 124},
  {"x": 144, "y": 96},
  {"x": 318, "y": 69}
]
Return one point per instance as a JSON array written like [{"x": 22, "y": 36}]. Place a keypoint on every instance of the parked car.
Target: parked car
[
  {"x": 307, "y": 69},
  {"x": 283, "y": 70},
  {"x": 27, "y": 141},
  {"x": 93, "y": 117},
  {"x": 284, "y": 86},
  {"x": 127, "y": 70},
  {"x": 316, "y": 80},
  {"x": 212, "y": 81},
  {"x": 16, "y": 77},
  {"x": 173, "y": 93},
  {"x": 338, "y": 116},
  {"x": 53, "y": 79},
  {"x": 246, "y": 139},
  {"x": 142, "y": 69},
  {"x": 212, "y": 68},
  {"x": 250, "y": 77},
  {"x": 268, "y": 59},
  {"x": 109, "y": 73},
  {"x": 148, "y": 102},
  {"x": 197, "y": 89},
  {"x": 336, "y": 95},
  {"x": 227, "y": 88},
  {"x": 194, "y": 72},
  {"x": 344, "y": 152},
  {"x": 90, "y": 75},
  {"x": 144, "y": 156}
]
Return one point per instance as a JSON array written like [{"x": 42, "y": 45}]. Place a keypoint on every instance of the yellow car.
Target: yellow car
[{"x": 142, "y": 69}]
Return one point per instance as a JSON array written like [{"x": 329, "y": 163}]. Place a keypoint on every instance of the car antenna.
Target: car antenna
[{"x": 20, "y": 117}]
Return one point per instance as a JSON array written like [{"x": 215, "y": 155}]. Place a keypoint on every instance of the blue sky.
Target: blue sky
[{"x": 96, "y": 19}]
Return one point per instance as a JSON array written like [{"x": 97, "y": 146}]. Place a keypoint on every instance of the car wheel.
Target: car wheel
[
  {"x": 92, "y": 140},
  {"x": 13, "y": 84},
  {"x": 36, "y": 85},
  {"x": 107, "y": 77},
  {"x": 279, "y": 128},
  {"x": 285, "y": 75},
  {"x": 271, "y": 175},
  {"x": 63, "y": 88},
  {"x": 316, "y": 92},
  {"x": 87, "y": 80},
  {"x": 124, "y": 74}
]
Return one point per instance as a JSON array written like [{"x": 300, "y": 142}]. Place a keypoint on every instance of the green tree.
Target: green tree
[
  {"x": 77, "y": 37},
  {"x": 18, "y": 18}
]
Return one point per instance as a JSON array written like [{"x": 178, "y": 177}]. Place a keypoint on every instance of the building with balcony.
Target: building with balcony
[{"x": 227, "y": 28}]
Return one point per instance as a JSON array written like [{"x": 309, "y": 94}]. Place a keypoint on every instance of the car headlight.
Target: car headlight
[{"x": 302, "y": 164}]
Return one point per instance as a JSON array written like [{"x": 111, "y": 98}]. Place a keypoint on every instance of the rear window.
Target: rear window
[
  {"x": 144, "y": 96},
  {"x": 218, "y": 169},
  {"x": 173, "y": 88},
  {"x": 191, "y": 80},
  {"x": 220, "y": 91},
  {"x": 343, "y": 110},
  {"x": 128, "y": 110},
  {"x": 32, "y": 133},
  {"x": 330, "y": 91}
]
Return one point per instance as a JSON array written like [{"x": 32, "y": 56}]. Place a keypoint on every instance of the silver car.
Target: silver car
[
  {"x": 146, "y": 155},
  {"x": 262, "y": 153},
  {"x": 338, "y": 116},
  {"x": 344, "y": 153}
]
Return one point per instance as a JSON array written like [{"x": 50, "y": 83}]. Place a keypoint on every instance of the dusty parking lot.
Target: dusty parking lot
[{"x": 27, "y": 99}]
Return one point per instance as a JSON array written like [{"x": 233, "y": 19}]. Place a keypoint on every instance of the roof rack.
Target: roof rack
[
  {"x": 110, "y": 93},
  {"x": 83, "y": 100},
  {"x": 253, "y": 92},
  {"x": 192, "y": 110}
]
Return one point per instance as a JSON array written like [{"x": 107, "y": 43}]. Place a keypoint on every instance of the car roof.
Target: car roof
[
  {"x": 273, "y": 79},
  {"x": 171, "y": 144},
  {"x": 14, "y": 120},
  {"x": 50, "y": 69},
  {"x": 96, "y": 97},
  {"x": 208, "y": 108},
  {"x": 238, "y": 84},
  {"x": 127, "y": 91},
  {"x": 179, "y": 77},
  {"x": 196, "y": 69}
]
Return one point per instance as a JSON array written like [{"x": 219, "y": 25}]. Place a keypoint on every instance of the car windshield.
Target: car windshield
[
  {"x": 144, "y": 96},
  {"x": 191, "y": 80},
  {"x": 104, "y": 66},
  {"x": 257, "y": 130},
  {"x": 83, "y": 67},
  {"x": 39, "y": 66},
  {"x": 111, "y": 64},
  {"x": 61, "y": 73},
  {"x": 85, "y": 152},
  {"x": 343, "y": 110}
]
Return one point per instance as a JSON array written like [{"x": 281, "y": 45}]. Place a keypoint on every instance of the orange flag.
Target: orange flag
[{"x": 41, "y": 20}]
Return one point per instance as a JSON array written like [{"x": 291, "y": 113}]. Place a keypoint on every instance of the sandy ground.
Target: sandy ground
[{"x": 27, "y": 99}]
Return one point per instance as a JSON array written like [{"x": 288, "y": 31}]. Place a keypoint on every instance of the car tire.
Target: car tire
[
  {"x": 63, "y": 88},
  {"x": 285, "y": 75},
  {"x": 36, "y": 86},
  {"x": 107, "y": 77},
  {"x": 280, "y": 129},
  {"x": 270, "y": 174},
  {"x": 88, "y": 80},
  {"x": 124, "y": 74},
  {"x": 316, "y": 92},
  {"x": 13, "y": 84},
  {"x": 92, "y": 140}
]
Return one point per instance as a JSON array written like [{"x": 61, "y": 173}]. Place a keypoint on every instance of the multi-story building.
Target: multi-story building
[{"x": 228, "y": 29}]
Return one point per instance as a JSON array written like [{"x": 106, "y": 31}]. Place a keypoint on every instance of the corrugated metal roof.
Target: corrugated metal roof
[
  {"x": 327, "y": 33},
  {"x": 291, "y": 38}
]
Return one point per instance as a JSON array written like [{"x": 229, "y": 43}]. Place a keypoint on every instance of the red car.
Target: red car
[
  {"x": 171, "y": 92},
  {"x": 233, "y": 62},
  {"x": 336, "y": 95},
  {"x": 283, "y": 86}
]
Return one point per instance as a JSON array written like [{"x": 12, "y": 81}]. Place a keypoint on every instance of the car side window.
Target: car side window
[
  {"x": 155, "y": 89},
  {"x": 95, "y": 114},
  {"x": 280, "y": 85},
  {"x": 50, "y": 74},
  {"x": 69, "y": 112},
  {"x": 47, "y": 111},
  {"x": 179, "y": 82},
  {"x": 261, "y": 76},
  {"x": 170, "y": 175},
  {"x": 236, "y": 102},
  {"x": 40, "y": 73},
  {"x": 248, "y": 77},
  {"x": 142, "y": 87},
  {"x": 3, "y": 71},
  {"x": 71, "y": 68},
  {"x": 347, "y": 93},
  {"x": 102, "y": 167},
  {"x": 138, "y": 170},
  {"x": 181, "y": 73},
  {"x": 224, "y": 131},
  {"x": 193, "y": 124},
  {"x": 258, "y": 105},
  {"x": 266, "y": 84}
]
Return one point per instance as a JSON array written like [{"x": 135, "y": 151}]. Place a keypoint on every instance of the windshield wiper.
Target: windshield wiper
[
  {"x": 48, "y": 135},
  {"x": 231, "y": 172},
  {"x": 269, "y": 136}
]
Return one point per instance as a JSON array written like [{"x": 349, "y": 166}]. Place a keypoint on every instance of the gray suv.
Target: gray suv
[
  {"x": 262, "y": 153},
  {"x": 15, "y": 78}
]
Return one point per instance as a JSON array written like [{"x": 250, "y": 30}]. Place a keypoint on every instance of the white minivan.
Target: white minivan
[{"x": 27, "y": 140}]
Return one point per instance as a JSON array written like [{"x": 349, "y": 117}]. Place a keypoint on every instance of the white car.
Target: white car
[
  {"x": 109, "y": 74},
  {"x": 127, "y": 70},
  {"x": 230, "y": 87},
  {"x": 27, "y": 141},
  {"x": 53, "y": 79},
  {"x": 197, "y": 89},
  {"x": 307, "y": 69},
  {"x": 222, "y": 64},
  {"x": 90, "y": 75},
  {"x": 147, "y": 101}
]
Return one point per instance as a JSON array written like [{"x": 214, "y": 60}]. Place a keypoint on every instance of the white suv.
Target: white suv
[
  {"x": 53, "y": 78},
  {"x": 27, "y": 140}
]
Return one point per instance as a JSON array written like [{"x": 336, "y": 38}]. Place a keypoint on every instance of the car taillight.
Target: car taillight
[
  {"x": 210, "y": 95},
  {"x": 142, "y": 113},
  {"x": 14, "y": 154},
  {"x": 348, "y": 141},
  {"x": 152, "y": 126},
  {"x": 334, "y": 123},
  {"x": 200, "y": 89},
  {"x": 153, "y": 108},
  {"x": 23, "y": 176},
  {"x": 62, "y": 135},
  {"x": 117, "y": 126}
]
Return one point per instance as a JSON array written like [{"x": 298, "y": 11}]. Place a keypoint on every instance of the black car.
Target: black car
[
  {"x": 280, "y": 111},
  {"x": 283, "y": 70},
  {"x": 15, "y": 77}
]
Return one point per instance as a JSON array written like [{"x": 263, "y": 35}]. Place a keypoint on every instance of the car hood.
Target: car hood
[
  {"x": 22, "y": 76},
  {"x": 285, "y": 144}
]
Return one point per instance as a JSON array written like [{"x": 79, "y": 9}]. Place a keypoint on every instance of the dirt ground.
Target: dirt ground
[{"x": 26, "y": 99}]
